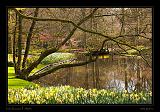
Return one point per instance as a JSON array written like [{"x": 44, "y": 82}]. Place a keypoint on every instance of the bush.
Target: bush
[
  {"x": 55, "y": 57},
  {"x": 10, "y": 64},
  {"x": 71, "y": 95},
  {"x": 31, "y": 59}
]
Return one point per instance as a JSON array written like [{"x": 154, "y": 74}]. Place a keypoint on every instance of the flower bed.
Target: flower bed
[{"x": 71, "y": 95}]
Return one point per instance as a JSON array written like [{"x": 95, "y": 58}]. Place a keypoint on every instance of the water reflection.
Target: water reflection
[{"x": 119, "y": 73}]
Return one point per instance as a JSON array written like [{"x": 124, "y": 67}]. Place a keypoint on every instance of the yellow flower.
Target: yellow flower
[
  {"x": 71, "y": 99},
  {"x": 125, "y": 91},
  {"x": 47, "y": 95},
  {"x": 59, "y": 101},
  {"x": 137, "y": 98},
  {"x": 136, "y": 95},
  {"x": 150, "y": 93},
  {"x": 132, "y": 96},
  {"x": 85, "y": 94},
  {"x": 94, "y": 95},
  {"x": 38, "y": 102},
  {"x": 71, "y": 96},
  {"x": 94, "y": 90},
  {"x": 78, "y": 96},
  {"x": 125, "y": 95},
  {"x": 144, "y": 98},
  {"x": 112, "y": 94},
  {"x": 107, "y": 94},
  {"x": 141, "y": 94},
  {"x": 81, "y": 89},
  {"x": 67, "y": 87},
  {"x": 65, "y": 95}
]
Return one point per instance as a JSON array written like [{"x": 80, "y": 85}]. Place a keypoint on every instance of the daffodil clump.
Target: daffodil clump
[{"x": 71, "y": 95}]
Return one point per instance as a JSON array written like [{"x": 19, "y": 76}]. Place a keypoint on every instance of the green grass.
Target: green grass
[
  {"x": 56, "y": 57},
  {"x": 133, "y": 51},
  {"x": 19, "y": 83},
  {"x": 14, "y": 82},
  {"x": 37, "y": 68},
  {"x": 10, "y": 57}
]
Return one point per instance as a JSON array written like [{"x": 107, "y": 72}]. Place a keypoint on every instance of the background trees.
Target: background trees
[{"x": 47, "y": 30}]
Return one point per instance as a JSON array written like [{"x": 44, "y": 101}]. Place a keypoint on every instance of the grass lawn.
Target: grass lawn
[
  {"x": 19, "y": 83},
  {"x": 15, "y": 82}
]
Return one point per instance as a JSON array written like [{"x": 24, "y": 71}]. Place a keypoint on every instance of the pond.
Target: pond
[{"x": 117, "y": 72}]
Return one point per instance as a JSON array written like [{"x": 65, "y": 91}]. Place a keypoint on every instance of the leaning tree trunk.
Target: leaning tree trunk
[{"x": 27, "y": 71}]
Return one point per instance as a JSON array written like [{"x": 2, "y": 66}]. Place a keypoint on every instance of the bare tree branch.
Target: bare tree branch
[
  {"x": 47, "y": 52},
  {"x": 52, "y": 50},
  {"x": 29, "y": 39},
  {"x": 77, "y": 26},
  {"x": 107, "y": 15},
  {"x": 34, "y": 77}
]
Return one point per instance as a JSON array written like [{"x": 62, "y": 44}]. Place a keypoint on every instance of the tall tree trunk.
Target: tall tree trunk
[
  {"x": 68, "y": 76},
  {"x": 14, "y": 45},
  {"x": 138, "y": 77},
  {"x": 84, "y": 41},
  {"x": 138, "y": 67},
  {"x": 97, "y": 75},
  {"x": 93, "y": 75},
  {"x": 125, "y": 74},
  {"x": 19, "y": 47},
  {"x": 29, "y": 39},
  {"x": 123, "y": 23},
  {"x": 28, "y": 70},
  {"x": 9, "y": 37}
]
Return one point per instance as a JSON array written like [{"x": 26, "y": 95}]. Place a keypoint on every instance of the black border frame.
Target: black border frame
[{"x": 122, "y": 107}]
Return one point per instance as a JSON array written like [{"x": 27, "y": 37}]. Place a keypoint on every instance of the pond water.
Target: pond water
[{"x": 118, "y": 72}]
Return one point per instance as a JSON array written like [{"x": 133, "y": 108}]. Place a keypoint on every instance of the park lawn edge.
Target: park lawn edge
[{"x": 14, "y": 82}]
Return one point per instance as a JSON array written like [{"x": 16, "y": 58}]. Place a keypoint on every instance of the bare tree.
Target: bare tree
[{"x": 120, "y": 40}]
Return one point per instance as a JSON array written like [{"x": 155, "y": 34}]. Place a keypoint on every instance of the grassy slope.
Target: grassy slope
[
  {"x": 15, "y": 82},
  {"x": 19, "y": 83}
]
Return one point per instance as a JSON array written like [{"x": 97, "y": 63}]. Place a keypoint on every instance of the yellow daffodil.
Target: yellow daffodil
[
  {"x": 150, "y": 93},
  {"x": 125, "y": 95},
  {"x": 136, "y": 95},
  {"x": 66, "y": 94},
  {"x": 94, "y": 90},
  {"x": 144, "y": 98},
  {"x": 125, "y": 91},
  {"x": 112, "y": 94}
]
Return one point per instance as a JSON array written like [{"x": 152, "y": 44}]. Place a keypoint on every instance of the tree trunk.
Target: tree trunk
[
  {"x": 93, "y": 75},
  {"x": 68, "y": 76},
  {"x": 138, "y": 77},
  {"x": 29, "y": 40},
  {"x": 84, "y": 42},
  {"x": 9, "y": 37},
  {"x": 28, "y": 70},
  {"x": 125, "y": 74},
  {"x": 19, "y": 47},
  {"x": 97, "y": 74},
  {"x": 14, "y": 46}
]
